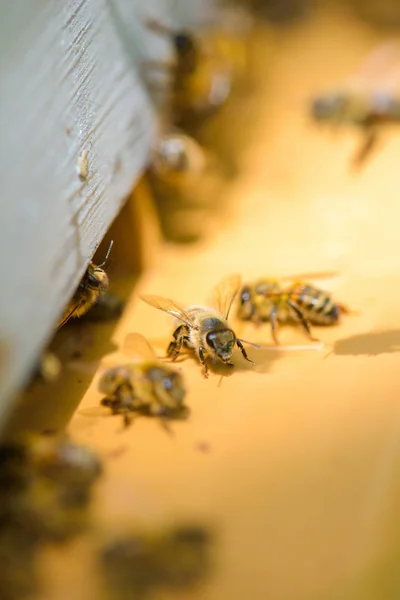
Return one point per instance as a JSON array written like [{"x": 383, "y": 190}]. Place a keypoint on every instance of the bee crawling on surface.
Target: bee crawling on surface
[
  {"x": 93, "y": 284},
  {"x": 205, "y": 331},
  {"x": 368, "y": 101},
  {"x": 144, "y": 385},
  {"x": 270, "y": 300}
]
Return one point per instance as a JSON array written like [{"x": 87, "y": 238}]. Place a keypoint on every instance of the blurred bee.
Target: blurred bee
[
  {"x": 177, "y": 158},
  {"x": 45, "y": 488},
  {"x": 201, "y": 73},
  {"x": 58, "y": 458},
  {"x": 141, "y": 562},
  {"x": 269, "y": 300},
  {"x": 205, "y": 331},
  {"x": 144, "y": 385},
  {"x": 47, "y": 369},
  {"x": 367, "y": 101},
  {"x": 93, "y": 284}
]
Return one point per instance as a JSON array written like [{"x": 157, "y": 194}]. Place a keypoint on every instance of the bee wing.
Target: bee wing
[
  {"x": 315, "y": 275},
  {"x": 136, "y": 346},
  {"x": 225, "y": 292},
  {"x": 170, "y": 307},
  {"x": 380, "y": 70},
  {"x": 70, "y": 314}
]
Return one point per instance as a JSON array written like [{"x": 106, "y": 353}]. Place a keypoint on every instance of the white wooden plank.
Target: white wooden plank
[{"x": 67, "y": 85}]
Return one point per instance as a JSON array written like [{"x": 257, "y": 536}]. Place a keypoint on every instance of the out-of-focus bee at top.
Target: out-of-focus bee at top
[
  {"x": 93, "y": 284},
  {"x": 298, "y": 302},
  {"x": 143, "y": 385},
  {"x": 205, "y": 331},
  {"x": 275, "y": 12},
  {"x": 367, "y": 101},
  {"x": 202, "y": 71}
]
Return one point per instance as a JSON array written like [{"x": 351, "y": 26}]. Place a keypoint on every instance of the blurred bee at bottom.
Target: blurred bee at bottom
[
  {"x": 144, "y": 385},
  {"x": 368, "y": 101},
  {"x": 205, "y": 330},
  {"x": 299, "y": 302},
  {"x": 93, "y": 284}
]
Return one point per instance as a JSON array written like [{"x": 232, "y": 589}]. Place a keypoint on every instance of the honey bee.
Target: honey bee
[
  {"x": 178, "y": 157},
  {"x": 204, "y": 330},
  {"x": 141, "y": 562},
  {"x": 201, "y": 75},
  {"x": 144, "y": 385},
  {"x": 368, "y": 101},
  {"x": 93, "y": 284},
  {"x": 270, "y": 300}
]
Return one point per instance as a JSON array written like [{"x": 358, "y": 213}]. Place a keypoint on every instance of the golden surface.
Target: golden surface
[{"x": 296, "y": 462}]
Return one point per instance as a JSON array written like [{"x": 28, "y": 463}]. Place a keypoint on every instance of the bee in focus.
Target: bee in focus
[
  {"x": 206, "y": 331},
  {"x": 270, "y": 300},
  {"x": 144, "y": 385},
  {"x": 201, "y": 73},
  {"x": 175, "y": 558},
  {"x": 368, "y": 101},
  {"x": 93, "y": 284}
]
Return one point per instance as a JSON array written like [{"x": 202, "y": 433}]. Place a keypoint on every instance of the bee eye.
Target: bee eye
[
  {"x": 183, "y": 43},
  {"x": 245, "y": 297},
  {"x": 93, "y": 281},
  {"x": 167, "y": 383}
]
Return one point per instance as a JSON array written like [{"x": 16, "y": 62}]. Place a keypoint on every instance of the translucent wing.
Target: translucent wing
[
  {"x": 71, "y": 313},
  {"x": 380, "y": 70},
  {"x": 315, "y": 275},
  {"x": 136, "y": 346},
  {"x": 225, "y": 292},
  {"x": 170, "y": 307}
]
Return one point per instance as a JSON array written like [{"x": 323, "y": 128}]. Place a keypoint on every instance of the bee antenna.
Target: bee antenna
[
  {"x": 249, "y": 343},
  {"x": 106, "y": 262},
  {"x": 157, "y": 26}
]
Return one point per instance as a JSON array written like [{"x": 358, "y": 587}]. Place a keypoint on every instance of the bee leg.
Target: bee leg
[
  {"x": 273, "y": 317},
  {"x": 369, "y": 141},
  {"x": 128, "y": 418},
  {"x": 344, "y": 309},
  {"x": 243, "y": 351},
  {"x": 164, "y": 65},
  {"x": 109, "y": 402},
  {"x": 202, "y": 359},
  {"x": 303, "y": 320},
  {"x": 176, "y": 345}
]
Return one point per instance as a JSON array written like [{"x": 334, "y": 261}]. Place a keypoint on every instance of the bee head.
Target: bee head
[
  {"x": 184, "y": 43},
  {"x": 246, "y": 307},
  {"x": 325, "y": 108},
  {"x": 222, "y": 343},
  {"x": 96, "y": 279},
  {"x": 168, "y": 386},
  {"x": 113, "y": 379},
  {"x": 173, "y": 153}
]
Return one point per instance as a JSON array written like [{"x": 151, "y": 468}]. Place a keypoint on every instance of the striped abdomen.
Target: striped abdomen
[{"x": 317, "y": 306}]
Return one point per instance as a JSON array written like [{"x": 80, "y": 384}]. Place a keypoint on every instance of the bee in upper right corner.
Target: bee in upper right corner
[
  {"x": 367, "y": 101},
  {"x": 270, "y": 300}
]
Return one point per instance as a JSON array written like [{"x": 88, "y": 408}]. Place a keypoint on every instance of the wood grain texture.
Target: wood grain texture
[{"x": 68, "y": 85}]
